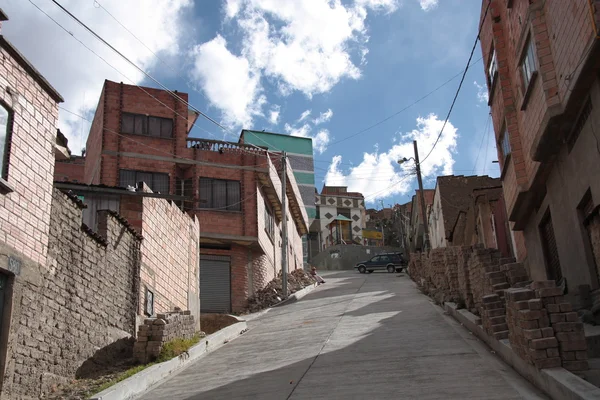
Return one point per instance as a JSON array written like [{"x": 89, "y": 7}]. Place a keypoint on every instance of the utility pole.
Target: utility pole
[
  {"x": 423, "y": 207},
  {"x": 284, "y": 235}
]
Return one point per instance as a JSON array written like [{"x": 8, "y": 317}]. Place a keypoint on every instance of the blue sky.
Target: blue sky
[{"x": 325, "y": 69}]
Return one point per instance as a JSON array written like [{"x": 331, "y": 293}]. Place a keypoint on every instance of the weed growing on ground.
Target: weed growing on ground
[{"x": 176, "y": 347}]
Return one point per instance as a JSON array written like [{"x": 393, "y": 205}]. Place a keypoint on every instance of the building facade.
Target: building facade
[
  {"x": 335, "y": 201},
  {"x": 541, "y": 63},
  {"x": 416, "y": 239},
  {"x": 299, "y": 151},
  {"x": 453, "y": 194},
  {"x": 234, "y": 189}
]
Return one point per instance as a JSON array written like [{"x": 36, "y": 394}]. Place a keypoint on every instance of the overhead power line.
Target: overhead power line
[
  {"x": 460, "y": 84},
  {"x": 100, "y": 38},
  {"x": 403, "y": 109}
]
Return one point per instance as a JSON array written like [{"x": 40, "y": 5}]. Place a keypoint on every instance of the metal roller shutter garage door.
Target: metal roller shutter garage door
[{"x": 215, "y": 284}]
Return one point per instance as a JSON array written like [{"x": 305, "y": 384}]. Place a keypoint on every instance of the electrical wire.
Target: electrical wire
[
  {"x": 460, "y": 84},
  {"x": 487, "y": 125},
  {"x": 101, "y": 39},
  {"x": 403, "y": 109}
]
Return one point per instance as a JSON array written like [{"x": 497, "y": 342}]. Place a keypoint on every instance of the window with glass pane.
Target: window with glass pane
[
  {"x": 145, "y": 125},
  {"x": 492, "y": 69},
  {"x": 220, "y": 194},
  {"x": 157, "y": 182},
  {"x": 505, "y": 143},
  {"x": 5, "y": 134},
  {"x": 528, "y": 64},
  {"x": 269, "y": 221}
]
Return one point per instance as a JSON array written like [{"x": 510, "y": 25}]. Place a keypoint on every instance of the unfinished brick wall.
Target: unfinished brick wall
[
  {"x": 464, "y": 284},
  {"x": 170, "y": 264},
  {"x": 82, "y": 301},
  {"x": 25, "y": 212},
  {"x": 543, "y": 329},
  {"x": 155, "y": 332}
]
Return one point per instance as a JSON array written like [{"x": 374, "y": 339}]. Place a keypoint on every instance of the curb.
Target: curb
[
  {"x": 558, "y": 383},
  {"x": 151, "y": 376},
  {"x": 292, "y": 299}
]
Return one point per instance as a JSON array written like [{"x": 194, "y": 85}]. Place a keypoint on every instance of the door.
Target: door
[
  {"x": 3, "y": 289},
  {"x": 215, "y": 284}
]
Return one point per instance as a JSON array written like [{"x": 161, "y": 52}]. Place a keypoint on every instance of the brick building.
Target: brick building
[
  {"x": 234, "y": 189},
  {"x": 541, "y": 61},
  {"x": 416, "y": 227},
  {"x": 453, "y": 194}
]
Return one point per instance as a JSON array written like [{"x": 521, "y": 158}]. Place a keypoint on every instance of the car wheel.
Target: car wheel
[
  {"x": 391, "y": 269},
  {"x": 398, "y": 269},
  {"x": 362, "y": 269}
]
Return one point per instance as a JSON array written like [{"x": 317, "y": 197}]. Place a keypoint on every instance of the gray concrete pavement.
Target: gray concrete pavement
[{"x": 356, "y": 337}]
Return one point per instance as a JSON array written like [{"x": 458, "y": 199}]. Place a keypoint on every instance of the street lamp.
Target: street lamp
[{"x": 422, "y": 194}]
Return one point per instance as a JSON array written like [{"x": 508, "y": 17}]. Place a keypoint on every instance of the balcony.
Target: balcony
[{"x": 223, "y": 147}]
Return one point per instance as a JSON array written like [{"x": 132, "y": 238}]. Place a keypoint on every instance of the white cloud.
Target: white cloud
[
  {"x": 304, "y": 115},
  {"x": 77, "y": 73},
  {"x": 305, "y": 44},
  {"x": 379, "y": 176},
  {"x": 323, "y": 117},
  {"x": 274, "y": 114},
  {"x": 482, "y": 93},
  {"x": 428, "y": 5},
  {"x": 320, "y": 139},
  {"x": 229, "y": 82}
]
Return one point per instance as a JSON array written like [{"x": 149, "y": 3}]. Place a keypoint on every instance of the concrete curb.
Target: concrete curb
[
  {"x": 558, "y": 383},
  {"x": 292, "y": 299},
  {"x": 151, "y": 376}
]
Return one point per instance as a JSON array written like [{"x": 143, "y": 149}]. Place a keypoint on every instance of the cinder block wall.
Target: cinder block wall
[{"x": 80, "y": 302}]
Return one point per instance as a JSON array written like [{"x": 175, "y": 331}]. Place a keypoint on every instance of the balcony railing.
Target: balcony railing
[{"x": 222, "y": 146}]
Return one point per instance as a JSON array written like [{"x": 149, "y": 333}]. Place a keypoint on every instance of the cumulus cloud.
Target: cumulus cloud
[
  {"x": 428, "y": 5},
  {"x": 320, "y": 139},
  {"x": 304, "y": 115},
  {"x": 228, "y": 81},
  {"x": 323, "y": 117},
  {"x": 274, "y": 114},
  {"x": 482, "y": 93},
  {"x": 379, "y": 175},
  {"x": 77, "y": 73}
]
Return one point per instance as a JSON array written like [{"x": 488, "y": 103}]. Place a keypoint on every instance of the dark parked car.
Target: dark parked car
[{"x": 390, "y": 262}]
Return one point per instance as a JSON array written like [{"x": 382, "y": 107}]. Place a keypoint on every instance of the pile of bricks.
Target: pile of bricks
[
  {"x": 464, "y": 284},
  {"x": 155, "y": 332},
  {"x": 482, "y": 261},
  {"x": 530, "y": 333},
  {"x": 451, "y": 275},
  {"x": 493, "y": 316},
  {"x": 566, "y": 325},
  {"x": 515, "y": 273}
]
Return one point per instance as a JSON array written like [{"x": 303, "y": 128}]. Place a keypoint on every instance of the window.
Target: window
[
  {"x": 220, "y": 194},
  {"x": 505, "y": 143},
  {"x": 183, "y": 187},
  {"x": 585, "y": 112},
  {"x": 158, "y": 183},
  {"x": 492, "y": 70},
  {"x": 139, "y": 124},
  {"x": 5, "y": 138},
  {"x": 149, "y": 306},
  {"x": 553, "y": 268},
  {"x": 269, "y": 222},
  {"x": 528, "y": 67}
]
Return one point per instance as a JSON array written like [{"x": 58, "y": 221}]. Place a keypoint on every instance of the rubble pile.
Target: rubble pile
[{"x": 273, "y": 292}]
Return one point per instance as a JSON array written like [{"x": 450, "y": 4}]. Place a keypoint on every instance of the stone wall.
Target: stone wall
[
  {"x": 155, "y": 332},
  {"x": 81, "y": 302},
  {"x": 169, "y": 258}
]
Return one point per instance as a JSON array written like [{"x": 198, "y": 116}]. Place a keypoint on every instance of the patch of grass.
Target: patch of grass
[
  {"x": 121, "y": 377},
  {"x": 176, "y": 347}
]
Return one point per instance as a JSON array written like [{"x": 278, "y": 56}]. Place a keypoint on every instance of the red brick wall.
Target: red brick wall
[
  {"x": 169, "y": 256},
  {"x": 72, "y": 170},
  {"x": 25, "y": 213}
]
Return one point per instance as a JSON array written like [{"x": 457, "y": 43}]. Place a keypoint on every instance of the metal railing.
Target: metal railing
[{"x": 222, "y": 146}]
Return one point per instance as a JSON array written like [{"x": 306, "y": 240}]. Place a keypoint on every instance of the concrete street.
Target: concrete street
[{"x": 372, "y": 336}]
